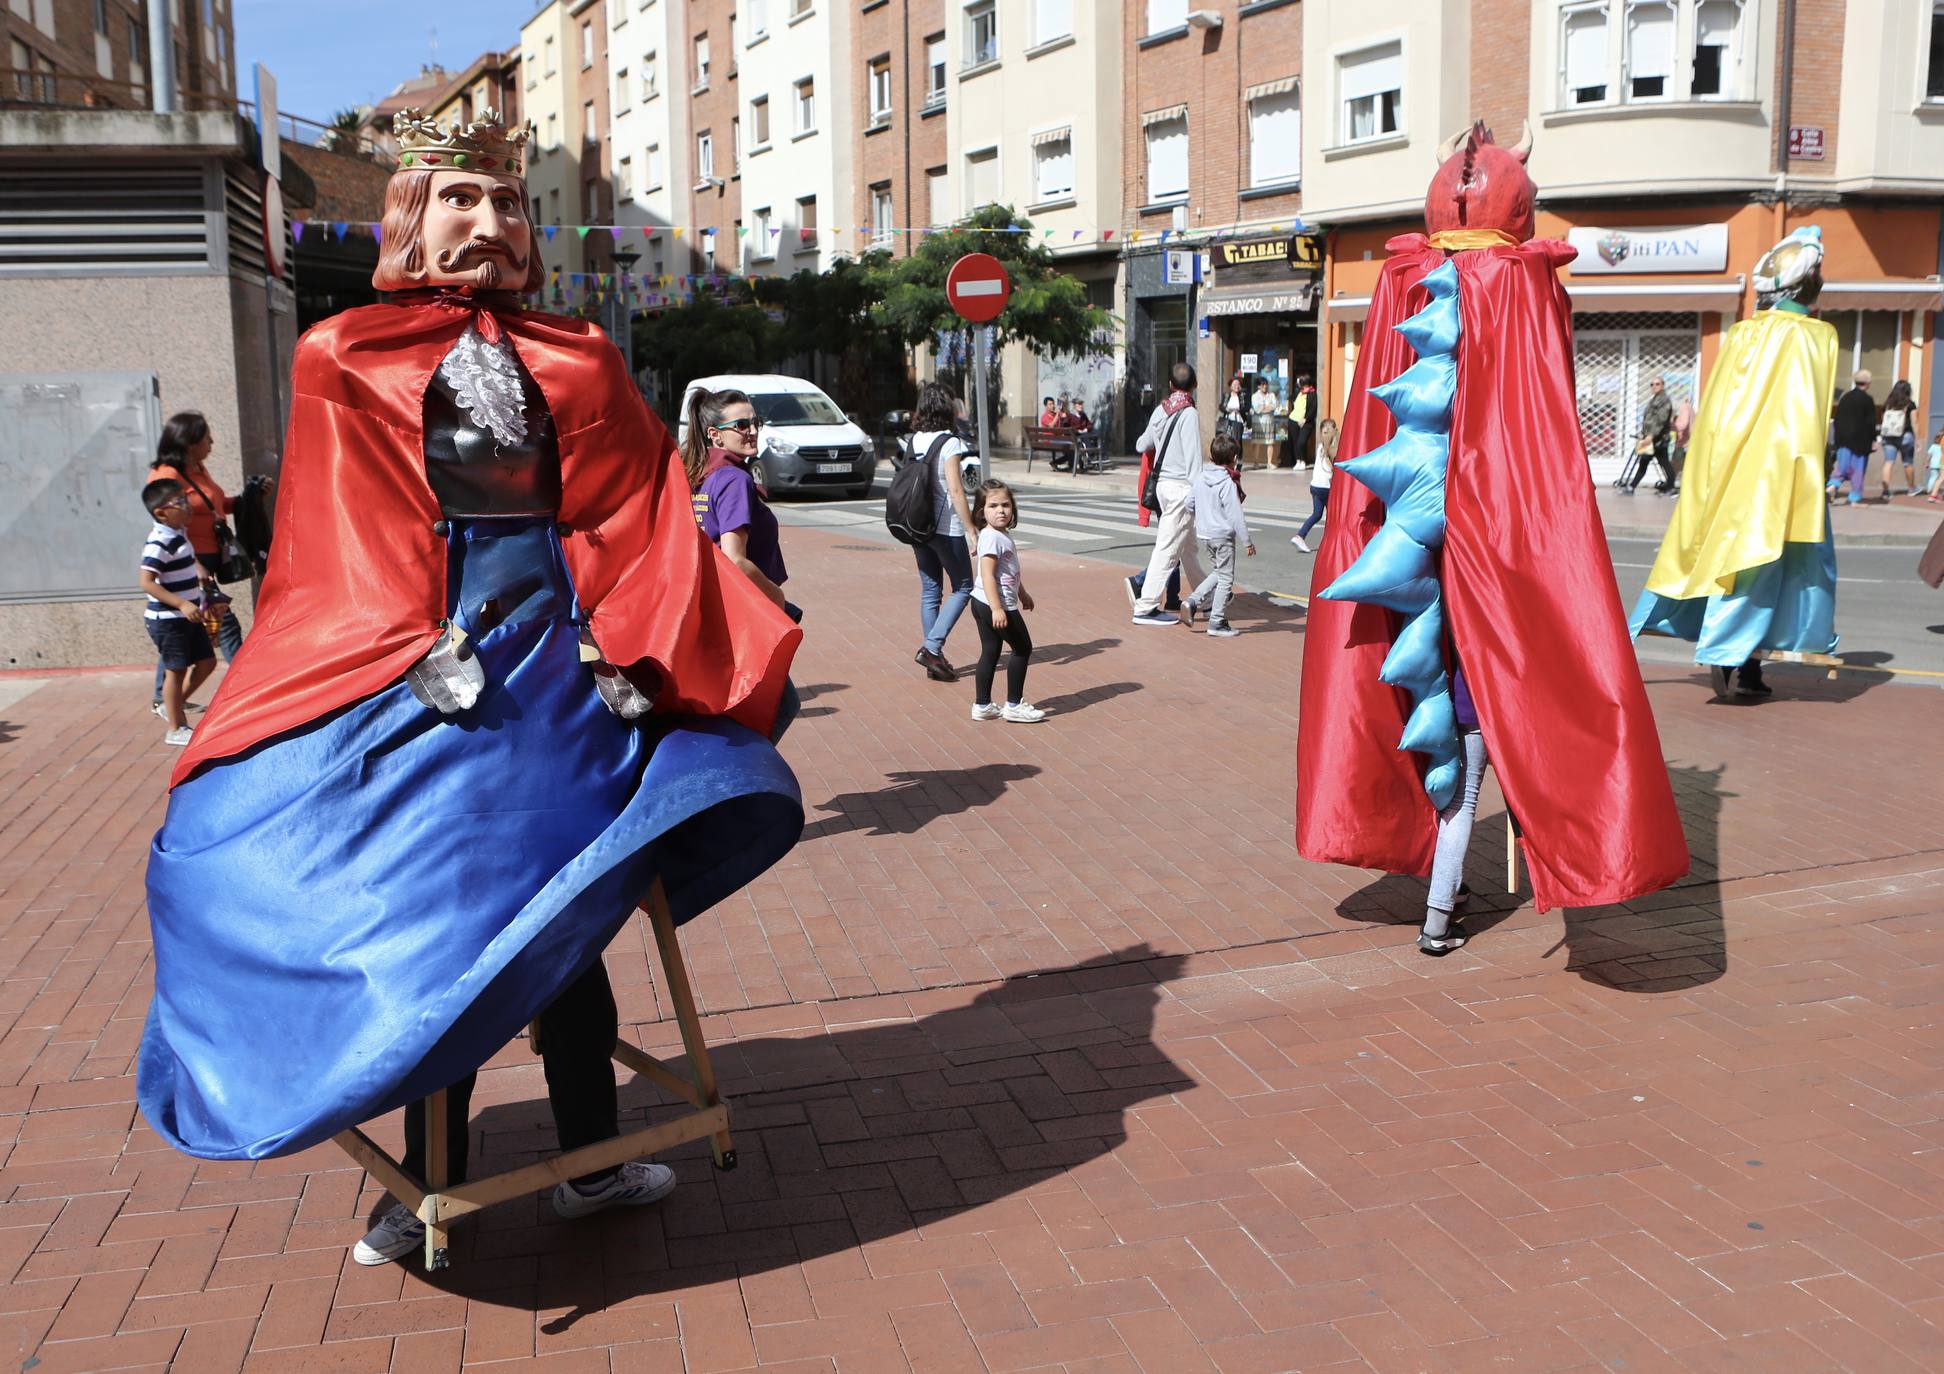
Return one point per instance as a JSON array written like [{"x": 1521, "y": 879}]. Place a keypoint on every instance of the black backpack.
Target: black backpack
[{"x": 908, "y": 509}]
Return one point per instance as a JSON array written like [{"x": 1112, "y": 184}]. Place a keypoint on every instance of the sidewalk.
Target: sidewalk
[
  {"x": 1902, "y": 521},
  {"x": 1048, "y": 1053}
]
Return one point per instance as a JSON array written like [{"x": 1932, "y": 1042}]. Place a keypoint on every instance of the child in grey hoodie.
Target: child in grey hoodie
[{"x": 1215, "y": 499}]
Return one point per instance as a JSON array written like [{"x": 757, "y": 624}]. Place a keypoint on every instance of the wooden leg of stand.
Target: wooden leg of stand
[
  {"x": 678, "y": 991},
  {"x": 437, "y": 1176},
  {"x": 1511, "y": 855}
]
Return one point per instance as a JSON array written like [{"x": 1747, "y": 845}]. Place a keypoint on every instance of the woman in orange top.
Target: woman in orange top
[{"x": 182, "y": 455}]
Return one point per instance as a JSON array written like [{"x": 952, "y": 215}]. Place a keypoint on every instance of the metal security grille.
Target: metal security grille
[
  {"x": 103, "y": 219},
  {"x": 1616, "y": 356}
]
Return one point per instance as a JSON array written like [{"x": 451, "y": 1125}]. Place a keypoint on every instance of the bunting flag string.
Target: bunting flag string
[{"x": 651, "y": 232}]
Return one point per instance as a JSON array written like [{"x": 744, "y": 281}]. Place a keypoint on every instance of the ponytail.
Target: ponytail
[{"x": 705, "y": 408}]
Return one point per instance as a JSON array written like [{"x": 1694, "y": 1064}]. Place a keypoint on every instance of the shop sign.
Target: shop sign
[
  {"x": 1303, "y": 252},
  {"x": 1698, "y": 248},
  {"x": 1248, "y": 363},
  {"x": 1263, "y": 303},
  {"x": 1180, "y": 266}
]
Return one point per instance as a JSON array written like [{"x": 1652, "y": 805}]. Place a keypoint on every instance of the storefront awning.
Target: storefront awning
[
  {"x": 1910, "y": 293},
  {"x": 1609, "y": 298},
  {"x": 1284, "y": 298},
  {"x": 1343, "y": 309}
]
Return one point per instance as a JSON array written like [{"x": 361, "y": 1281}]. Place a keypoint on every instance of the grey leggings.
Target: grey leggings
[{"x": 1455, "y": 827}]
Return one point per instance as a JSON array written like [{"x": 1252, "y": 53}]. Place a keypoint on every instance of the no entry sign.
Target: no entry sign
[{"x": 978, "y": 287}]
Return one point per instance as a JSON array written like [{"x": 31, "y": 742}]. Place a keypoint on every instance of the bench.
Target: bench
[{"x": 1086, "y": 447}]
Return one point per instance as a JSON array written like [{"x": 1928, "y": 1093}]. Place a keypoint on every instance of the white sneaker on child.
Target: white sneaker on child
[
  {"x": 989, "y": 711},
  {"x": 1300, "y": 542},
  {"x": 178, "y": 736},
  {"x": 1022, "y": 713}
]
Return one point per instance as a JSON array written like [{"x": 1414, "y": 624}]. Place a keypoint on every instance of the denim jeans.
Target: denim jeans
[
  {"x": 943, "y": 557},
  {"x": 1851, "y": 467}
]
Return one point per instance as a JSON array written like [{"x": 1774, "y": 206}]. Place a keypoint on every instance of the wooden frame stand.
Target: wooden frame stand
[{"x": 438, "y": 1202}]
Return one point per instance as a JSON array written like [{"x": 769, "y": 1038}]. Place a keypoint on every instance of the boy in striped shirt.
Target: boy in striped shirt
[{"x": 173, "y": 614}]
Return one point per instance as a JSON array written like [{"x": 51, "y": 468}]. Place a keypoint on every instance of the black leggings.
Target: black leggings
[
  {"x": 1014, "y": 634},
  {"x": 577, "y": 1033}
]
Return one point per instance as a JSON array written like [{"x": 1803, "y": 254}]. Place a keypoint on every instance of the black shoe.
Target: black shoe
[
  {"x": 1437, "y": 946},
  {"x": 935, "y": 666},
  {"x": 1748, "y": 682}
]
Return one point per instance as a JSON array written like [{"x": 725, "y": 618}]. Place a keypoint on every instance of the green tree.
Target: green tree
[{"x": 705, "y": 337}]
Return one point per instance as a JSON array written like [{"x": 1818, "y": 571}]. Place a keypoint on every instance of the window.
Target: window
[
  {"x": 587, "y": 45},
  {"x": 760, "y": 231},
  {"x": 1167, "y": 154},
  {"x": 651, "y": 168},
  {"x": 702, "y": 62},
  {"x": 650, "y": 70},
  {"x": 536, "y": 211},
  {"x": 735, "y": 144},
  {"x": 550, "y": 55},
  {"x": 704, "y": 155},
  {"x": 553, "y": 129},
  {"x": 935, "y": 70},
  {"x": 101, "y": 17},
  {"x": 981, "y": 179},
  {"x": 1717, "y": 48},
  {"x": 1052, "y": 19},
  {"x": 532, "y": 69},
  {"x": 880, "y": 85},
  {"x": 735, "y": 41},
  {"x": 590, "y": 131},
  {"x": 806, "y": 224},
  {"x": 1372, "y": 87},
  {"x": 1275, "y": 134},
  {"x": 938, "y": 200},
  {"x": 881, "y": 215},
  {"x": 1163, "y": 15},
  {"x": 1583, "y": 55},
  {"x": 799, "y": 8},
  {"x": 137, "y": 53},
  {"x": 623, "y": 98},
  {"x": 624, "y": 179},
  {"x": 1650, "y": 49},
  {"x": 759, "y": 122},
  {"x": 758, "y": 18},
  {"x": 553, "y": 205},
  {"x": 1934, "y": 73},
  {"x": 806, "y": 106},
  {"x": 1053, "y": 165},
  {"x": 981, "y": 33},
  {"x": 591, "y": 202}
]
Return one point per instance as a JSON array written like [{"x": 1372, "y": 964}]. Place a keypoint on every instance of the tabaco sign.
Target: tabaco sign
[{"x": 1289, "y": 252}]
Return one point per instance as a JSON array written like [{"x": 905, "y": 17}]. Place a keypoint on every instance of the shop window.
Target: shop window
[
  {"x": 1583, "y": 55},
  {"x": 1717, "y": 50},
  {"x": 1052, "y": 19},
  {"x": 1167, "y": 155},
  {"x": 1053, "y": 165},
  {"x": 1650, "y": 49},
  {"x": 1275, "y": 134},
  {"x": 981, "y": 179},
  {"x": 1934, "y": 77},
  {"x": 1371, "y": 84}
]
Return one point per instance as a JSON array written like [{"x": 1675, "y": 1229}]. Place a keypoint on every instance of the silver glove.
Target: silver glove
[
  {"x": 448, "y": 679},
  {"x": 618, "y": 694}
]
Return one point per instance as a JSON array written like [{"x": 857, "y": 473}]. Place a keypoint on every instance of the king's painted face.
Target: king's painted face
[{"x": 476, "y": 231}]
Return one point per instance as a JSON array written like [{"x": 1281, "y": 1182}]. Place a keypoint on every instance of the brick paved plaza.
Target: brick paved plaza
[{"x": 1047, "y": 1051}]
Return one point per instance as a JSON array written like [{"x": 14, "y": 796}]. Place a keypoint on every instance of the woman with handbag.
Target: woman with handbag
[{"x": 182, "y": 454}]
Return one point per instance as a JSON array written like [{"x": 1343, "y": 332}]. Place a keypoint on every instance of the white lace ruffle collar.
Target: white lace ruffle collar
[{"x": 486, "y": 382}]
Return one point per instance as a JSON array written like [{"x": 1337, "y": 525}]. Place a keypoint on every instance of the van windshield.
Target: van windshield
[{"x": 798, "y": 408}]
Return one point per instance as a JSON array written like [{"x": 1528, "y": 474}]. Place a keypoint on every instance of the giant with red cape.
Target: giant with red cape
[{"x": 1530, "y": 604}]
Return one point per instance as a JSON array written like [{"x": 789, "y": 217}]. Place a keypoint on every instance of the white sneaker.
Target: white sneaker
[
  {"x": 989, "y": 711},
  {"x": 397, "y": 1234},
  {"x": 1022, "y": 713},
  {"x": 1132, "y": 595},
  {"x": 1221, "y": 629},
  {"x": 157, "y": 709},
  {"x": 1299, "y": 542},
  {"x": 178, "y": 736},
  {"x": 632, "y": 1185}
]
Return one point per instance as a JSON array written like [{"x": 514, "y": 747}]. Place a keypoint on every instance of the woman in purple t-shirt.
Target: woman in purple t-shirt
[{"x": 729, "y": 506}]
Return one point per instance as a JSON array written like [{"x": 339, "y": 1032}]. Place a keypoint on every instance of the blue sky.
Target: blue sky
[{"x": 352, "y": 52}]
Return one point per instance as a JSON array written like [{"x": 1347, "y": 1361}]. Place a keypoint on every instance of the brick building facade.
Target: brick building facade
[
  {"x": 96, "y": 53},
  {"x": 707, "y": 73},
  {"x": 898, "y": 94}
]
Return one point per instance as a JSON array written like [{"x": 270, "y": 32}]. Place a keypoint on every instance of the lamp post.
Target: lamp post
[{"x": 624, "y": 261}]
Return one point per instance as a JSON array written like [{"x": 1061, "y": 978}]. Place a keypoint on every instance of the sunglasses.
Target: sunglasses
[
  {"x": 174, "y": 503},
  {"x": 746, "y": 425}
]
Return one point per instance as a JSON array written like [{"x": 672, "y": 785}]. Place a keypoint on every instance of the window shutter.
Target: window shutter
[
  {"x": 1372, "y": 72},
  {"x": 1275, "y": 138},
  {"x": 1167, "y": 150},
  {"x": 1586, "y": 50},
  {"x": 1650, "y": 41}
]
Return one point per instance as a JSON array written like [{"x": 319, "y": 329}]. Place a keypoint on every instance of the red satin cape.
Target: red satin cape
[
  {"x": 356, "y": 584},
  {"x": 1531, "y": 602}
]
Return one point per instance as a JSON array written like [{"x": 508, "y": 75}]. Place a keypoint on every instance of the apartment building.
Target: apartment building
[
  {"x": 490, "y": 81},
  {"x": 587, "y": 22},
  {"x": 560, "y": 161},
  {"x": 898, "y": 97},
  {"x": 707, "y": 71},
  {"x": 793, "y": 141},
  {"x": 1213, "y": 162},
  {"x": 1673, "y": 141},
  {"x": 94, "y": 54},
  {"x": 648, "y": 140}
]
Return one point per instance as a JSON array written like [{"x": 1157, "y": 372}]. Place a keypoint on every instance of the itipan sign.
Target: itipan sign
[{"x": 1606, "y": 252}]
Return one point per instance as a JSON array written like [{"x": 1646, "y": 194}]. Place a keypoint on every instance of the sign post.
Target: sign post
[{"x": 978, "y": 289}]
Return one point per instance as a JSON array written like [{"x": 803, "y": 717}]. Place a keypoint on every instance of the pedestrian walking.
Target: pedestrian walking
[
  {"x": 1856, "y": 435},
  {"x": 944, "y": 562},
  {"x": 1174, "y": 434},
  {"x": 1678, "y": 435},
  {"x": 731, "y": 509},
  {"x": 999, "y": 598},
  {"x": 1897, "y": 431},
  {"x": 1651, "y": 443},
  {"x": 173, "y": 612},
  {"x": 1326, "y": 448},
  {"x": 1935, "y": 478},
  {"x": 1220, "y": 527},
  {"x": 182, "y": 456},
  {"x": 1303, "y": 423}
]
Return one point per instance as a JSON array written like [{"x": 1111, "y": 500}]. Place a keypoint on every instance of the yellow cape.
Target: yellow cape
[{"x": 1754, "y": 474}]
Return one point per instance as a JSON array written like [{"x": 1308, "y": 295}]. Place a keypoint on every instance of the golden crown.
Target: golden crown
[{"x": 485, "y": 145}]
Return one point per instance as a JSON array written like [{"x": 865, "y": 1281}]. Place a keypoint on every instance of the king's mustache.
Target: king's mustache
[{"x": 480, "y": 256}]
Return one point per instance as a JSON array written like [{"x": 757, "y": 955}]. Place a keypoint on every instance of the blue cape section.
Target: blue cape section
[
  {"x": 1789, "y": 604},
  {"x": 353, "y": 915},
  {"x": 1398, "y": 568}
]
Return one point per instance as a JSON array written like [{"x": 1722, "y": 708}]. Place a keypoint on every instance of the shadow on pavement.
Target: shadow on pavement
[
  {"x": 845, "y": 1138},
  {"x": 913, "y": 799},
  {"x": 1072, "y": 653},
  {"x": 1067, "y": 703}
]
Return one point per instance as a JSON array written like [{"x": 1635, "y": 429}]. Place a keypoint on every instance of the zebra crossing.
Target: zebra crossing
[{"x": 1047, "y": 519}]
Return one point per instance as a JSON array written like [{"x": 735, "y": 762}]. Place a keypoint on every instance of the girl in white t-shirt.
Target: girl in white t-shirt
[{"x": 998, "y": 598}]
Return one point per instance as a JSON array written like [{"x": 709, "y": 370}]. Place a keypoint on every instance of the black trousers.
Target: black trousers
[
  {"x": 577, "y": 1034},
  {"x": 990, "y": 639},
  {"x": 1637, "y": 466}
]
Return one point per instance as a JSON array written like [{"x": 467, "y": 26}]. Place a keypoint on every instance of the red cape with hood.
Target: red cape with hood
[
  {"x": 1530, "y": 600},
  {"x": 355, "y": 591}
]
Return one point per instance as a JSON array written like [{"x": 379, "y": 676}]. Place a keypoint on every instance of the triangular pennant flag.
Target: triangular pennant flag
[
  {"x": 742, "y": 231},
  {"x": 378, "y": 234},
  {"x": 616, "y": 230},
  {"x": 340, "y": 228},
  {"x": 1076, "y": 235},
  {"x": 297, "y": 230},
  {"x": 550, "y": 230},
  {"x": 1106, "y": 234},
  {"x": 648, "y": 232},
  {"x": 580, "y": 230},
  {"x": 680, "y": 230}
]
